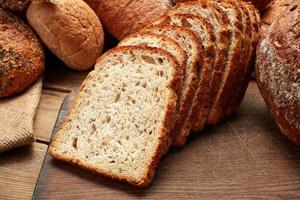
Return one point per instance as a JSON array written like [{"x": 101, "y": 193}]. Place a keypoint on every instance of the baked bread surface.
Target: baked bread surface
[
  {"x": 70, "y": 29},
  {"x": 278, "y": 71},
  {"x": 21, "y": 55}
]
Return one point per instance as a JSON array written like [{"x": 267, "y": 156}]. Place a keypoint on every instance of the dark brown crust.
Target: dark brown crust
[
  {"x": 192, "y": 84},
  {"x": 232, "y": 64},
  {"x": 122, "y": 18},
  {"x": 241, "y": 90},
  {"x": 278, "y": 71},
  {"x": 21, "y": 56},
  {"x": 166, "y": 133}
]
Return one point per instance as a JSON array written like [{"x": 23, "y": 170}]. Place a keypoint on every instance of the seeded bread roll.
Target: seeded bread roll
[
  {"x": 278, "y": 71},
  {"x": 125, "y": 17},
  {"x": 70, "y": 29},
  {"x": 121, "y": 123},
  {"x": 21, "y": 55}
]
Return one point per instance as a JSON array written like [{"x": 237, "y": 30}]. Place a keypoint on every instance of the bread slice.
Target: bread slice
[
  {"x": 236, "y": 77},
  {"x": 254, "y": 34},
  {"x": 220, "y": 24},
  {"x": 188, "y": 40},
  {"x": 205, "y": 33},
  {"x": 231, "y": 67},
  {"x": 158, "y": 41},
  {"x": 120, "y": 124}
]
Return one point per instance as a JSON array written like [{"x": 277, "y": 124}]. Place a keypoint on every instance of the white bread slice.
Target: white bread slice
[
  {"x": 205, "y": 34},
  {"x": 120, "y": 124},
  {"x": 220, "y": 24},
  {"x": 191, "y": 45}
]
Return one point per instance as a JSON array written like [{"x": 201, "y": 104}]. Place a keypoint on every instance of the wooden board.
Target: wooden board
[
  {"x": 46, "y": 114},
  {"x": 19, "y": 171},
  {"x": 243, "y": 157}
]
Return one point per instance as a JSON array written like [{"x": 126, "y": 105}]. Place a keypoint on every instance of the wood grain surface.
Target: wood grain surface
[
  {"x": 46, "y": 114},
  {"x": 19, "y": 170},
  {"x": 245, "y": 157}
]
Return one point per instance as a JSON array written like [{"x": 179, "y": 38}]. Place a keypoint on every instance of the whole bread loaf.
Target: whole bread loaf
[
  {"x": 122, "y": 18},
  {"x": 278, "y": 71},
  {"x": 21, "y": 55},
  {"x": 70, "y": 29}
]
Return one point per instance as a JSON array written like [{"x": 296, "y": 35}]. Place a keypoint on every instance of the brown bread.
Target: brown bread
[
  {"x": 21, "y": 55},
  {"x": 278, "y": 71}
]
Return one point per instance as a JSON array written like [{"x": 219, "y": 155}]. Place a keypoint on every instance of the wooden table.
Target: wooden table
[{"x": 19, "y": 168}]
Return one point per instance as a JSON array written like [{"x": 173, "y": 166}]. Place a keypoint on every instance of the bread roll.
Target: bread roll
[
  {"x": 21, "y": 55},
  {"x": 70, "y": 29},
  {"x": 122, "y": 18},
  {"x": 278, "y": 71}
]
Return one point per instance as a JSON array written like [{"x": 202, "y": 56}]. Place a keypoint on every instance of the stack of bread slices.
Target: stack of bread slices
[{"x": 187, "y": 69}]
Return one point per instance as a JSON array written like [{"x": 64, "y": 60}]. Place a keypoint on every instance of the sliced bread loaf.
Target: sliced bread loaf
[
  {"x": 219, "y": 21},
  {"x": 237, "y": 75},
  {"x": 120, "y": 124},
  {"x": 205, "y": 33},
  {"x": 256, "y": 30},
  {"x": 191, "y": 45},
  {"x": 226, "y": 88}
]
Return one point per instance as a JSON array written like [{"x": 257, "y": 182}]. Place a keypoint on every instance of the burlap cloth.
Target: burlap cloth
[{"x": 17, "y": 116}]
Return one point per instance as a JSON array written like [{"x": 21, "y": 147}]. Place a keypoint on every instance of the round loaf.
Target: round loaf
[
  {"x": 122, "y": 18},
  {"x": 70, "y": 29},
  {"x": 278, "y": 71},
  {"x": 21, "y": 55}
]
